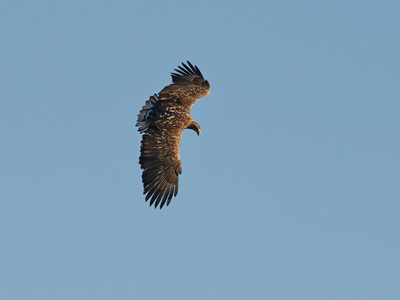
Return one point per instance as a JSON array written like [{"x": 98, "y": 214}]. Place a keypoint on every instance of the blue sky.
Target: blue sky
[{"x": 291, "y": 191}]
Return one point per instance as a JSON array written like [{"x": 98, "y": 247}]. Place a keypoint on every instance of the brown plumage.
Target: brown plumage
[{"x": 162, "y": 121}]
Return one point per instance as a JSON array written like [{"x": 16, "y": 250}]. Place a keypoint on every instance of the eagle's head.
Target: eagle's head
[{"x": 194, "y": 126}]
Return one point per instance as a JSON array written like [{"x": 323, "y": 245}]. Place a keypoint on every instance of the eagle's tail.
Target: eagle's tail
[{"x": 143, "y": 118}]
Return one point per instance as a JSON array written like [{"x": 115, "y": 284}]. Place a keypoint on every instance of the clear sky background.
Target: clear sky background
[{"x": 292, "y": 190}]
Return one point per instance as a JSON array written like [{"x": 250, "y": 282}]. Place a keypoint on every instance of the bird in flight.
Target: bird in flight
[{"x": 162, "y": 121}]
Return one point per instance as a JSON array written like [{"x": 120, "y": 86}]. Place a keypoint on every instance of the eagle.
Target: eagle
[{"x": 162, "y": 121}]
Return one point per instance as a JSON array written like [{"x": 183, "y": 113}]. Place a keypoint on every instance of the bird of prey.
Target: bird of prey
[{"x": 162, "y": 121}]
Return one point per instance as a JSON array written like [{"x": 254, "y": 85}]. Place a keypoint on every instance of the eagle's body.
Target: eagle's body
[{"x": 162, "y": 120}]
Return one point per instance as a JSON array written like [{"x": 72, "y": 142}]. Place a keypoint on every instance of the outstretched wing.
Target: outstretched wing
[
  {"x": 159, "y": 159},
  {"x": 188, "y": 87}
]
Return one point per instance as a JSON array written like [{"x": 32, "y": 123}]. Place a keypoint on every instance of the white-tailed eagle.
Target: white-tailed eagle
[{"x": 162, "y": 121}]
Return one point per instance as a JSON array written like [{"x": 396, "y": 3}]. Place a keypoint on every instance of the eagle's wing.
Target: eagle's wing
[
  {"x": 162, "y": 120},
  {"x": 159, "y": 159},
  {"x": 188, "y": 87}
]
